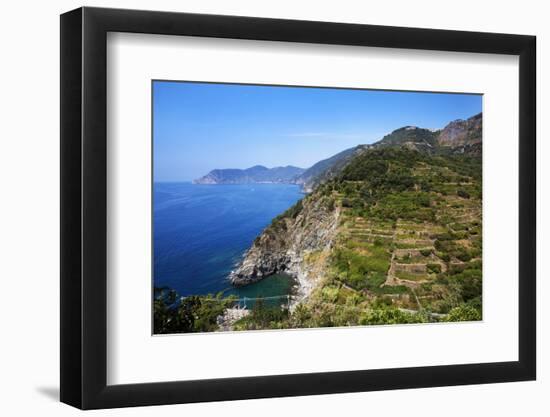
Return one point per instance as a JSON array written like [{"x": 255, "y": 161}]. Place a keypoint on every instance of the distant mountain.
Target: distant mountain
[{"x": 255, "y": 174}]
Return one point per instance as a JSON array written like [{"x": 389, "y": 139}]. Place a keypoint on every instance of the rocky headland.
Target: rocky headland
[{"x": 292, "y": 244}]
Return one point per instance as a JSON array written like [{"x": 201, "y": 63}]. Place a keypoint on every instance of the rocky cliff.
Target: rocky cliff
[
  {"x": 459, "y": 133},
  {"x": 287, "y": 244}
]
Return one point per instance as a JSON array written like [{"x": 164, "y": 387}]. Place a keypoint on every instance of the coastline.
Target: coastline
[{"x": 301, "y": 252}]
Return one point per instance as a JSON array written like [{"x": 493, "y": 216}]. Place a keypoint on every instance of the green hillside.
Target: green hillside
[
  {"x": 390, "y": 233},
  {"x": 409, "y": 240}
]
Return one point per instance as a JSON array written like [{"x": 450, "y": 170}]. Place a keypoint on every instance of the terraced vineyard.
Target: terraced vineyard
[{"x": 409, "y": 237}]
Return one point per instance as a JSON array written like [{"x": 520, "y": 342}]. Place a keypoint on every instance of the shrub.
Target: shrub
[
  {"x": 346, "y": 203},
  {"x": 463, "y": 313},
  {"x": 423, "y": 200},
  {"x": 445, "y": 257},
  {"x": 464, "y": 255},
  {"x": 389, "y": 316},
  {"x": 462, "y": 193}
]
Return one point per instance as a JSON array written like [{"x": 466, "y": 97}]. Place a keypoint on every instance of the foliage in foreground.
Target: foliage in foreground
[
  {"x": 174, "y": 314},
  {"x": 263, "y": 316}
]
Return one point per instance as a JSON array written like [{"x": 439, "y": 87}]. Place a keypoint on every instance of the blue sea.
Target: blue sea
[{"x": 201, "y": 232}]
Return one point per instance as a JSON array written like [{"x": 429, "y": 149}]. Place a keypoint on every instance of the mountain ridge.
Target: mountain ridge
[
  {"x": 460, "y": 136},
  {"x": 254, "y": 174}
]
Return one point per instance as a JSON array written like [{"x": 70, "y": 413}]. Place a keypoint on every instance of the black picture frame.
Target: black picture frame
[{"x": 84, "y": 207}]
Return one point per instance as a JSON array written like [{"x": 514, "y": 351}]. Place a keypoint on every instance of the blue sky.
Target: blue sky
[{"x": 199, "y": 126}]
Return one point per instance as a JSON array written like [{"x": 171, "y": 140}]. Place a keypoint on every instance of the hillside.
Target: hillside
[
  {"x": 255, "y": 174},
  {"x": 389, "y": 233},
  {"x": 398, "y": 232}
]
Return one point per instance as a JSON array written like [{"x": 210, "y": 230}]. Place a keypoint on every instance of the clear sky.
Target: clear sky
[{"x": 199, "y": 126}]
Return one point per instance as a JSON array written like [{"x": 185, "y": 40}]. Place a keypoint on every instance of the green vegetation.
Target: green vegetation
[
  {"x": 360, "y": 271},
  {"x": 264, "y": 317},
  {"x": 464, "y": 313},
  {"x": 406, "y": 134},
  {"x": 408, "y": 245},
  {"x": 174, "y": 314},
  {"x": 411, "y": 221}
]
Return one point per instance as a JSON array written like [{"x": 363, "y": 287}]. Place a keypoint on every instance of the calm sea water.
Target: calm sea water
[{"x": 202, "y": 231}]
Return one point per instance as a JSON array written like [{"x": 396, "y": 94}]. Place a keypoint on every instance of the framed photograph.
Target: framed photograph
[{"x": 257, "y": 208}]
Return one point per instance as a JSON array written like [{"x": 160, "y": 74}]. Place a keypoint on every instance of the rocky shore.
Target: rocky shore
[{"x": 229, "y": 317}]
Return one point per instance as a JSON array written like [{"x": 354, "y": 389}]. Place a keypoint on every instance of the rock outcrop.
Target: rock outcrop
[
  {"x": 461, "y": 133},
  {"x": 284, "y": 246}
]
